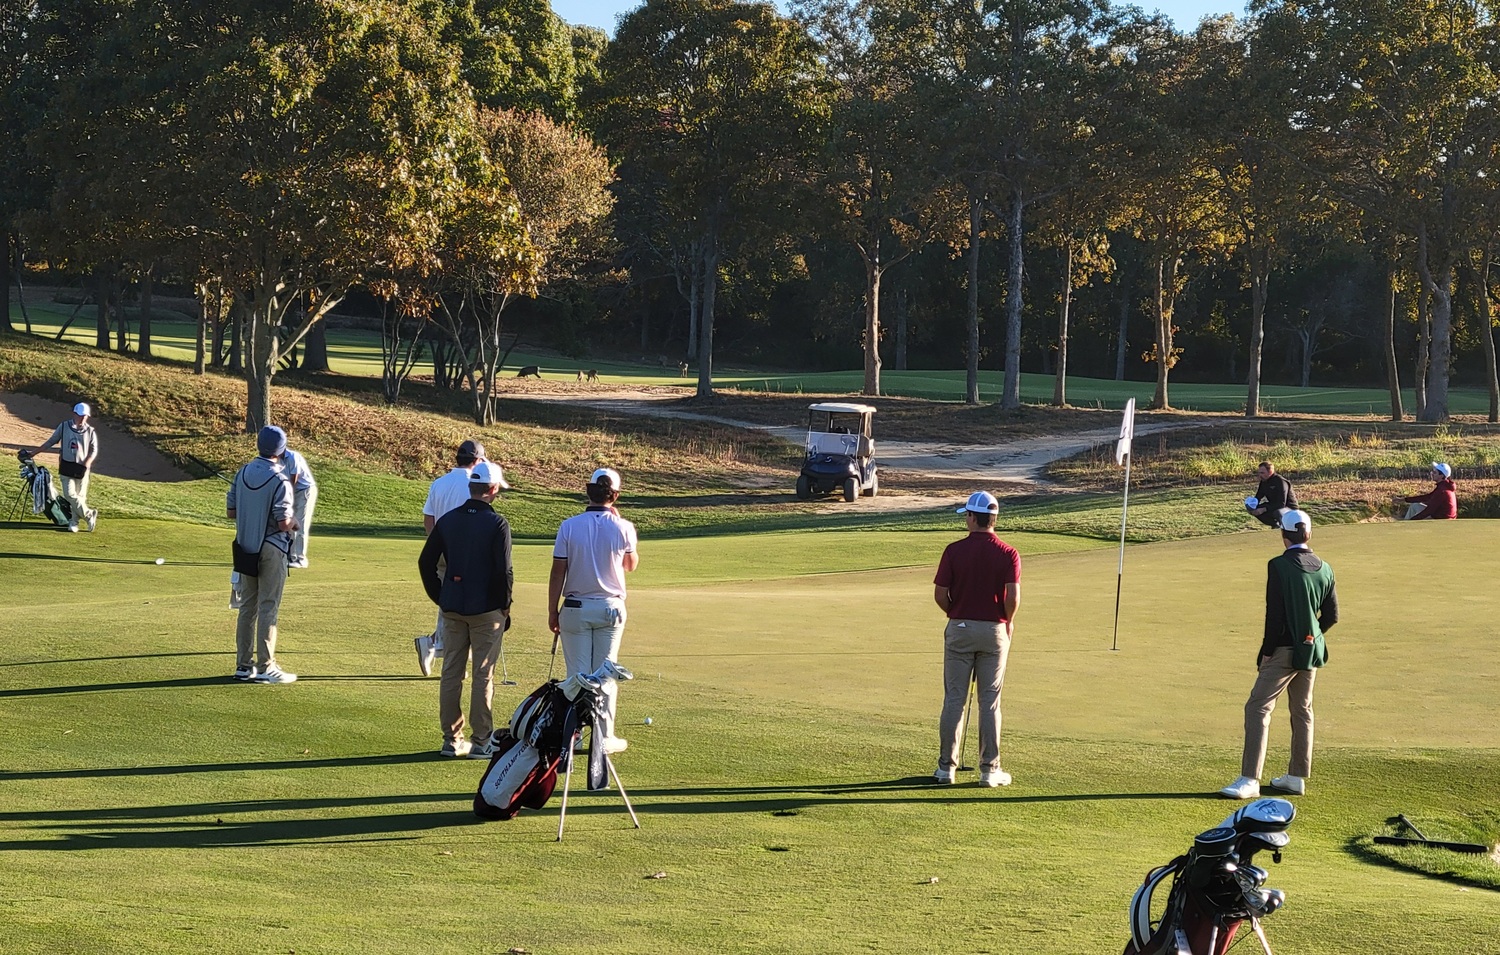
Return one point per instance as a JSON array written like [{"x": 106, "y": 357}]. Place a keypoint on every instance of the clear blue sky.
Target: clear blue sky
[{"x": 602, "y": 13}]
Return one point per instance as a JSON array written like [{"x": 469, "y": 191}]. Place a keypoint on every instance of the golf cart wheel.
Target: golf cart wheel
[
  {"x": 804, "y": 487},
  {"x": 851, "y": 489},
  {"x": 874, "y": 487}
]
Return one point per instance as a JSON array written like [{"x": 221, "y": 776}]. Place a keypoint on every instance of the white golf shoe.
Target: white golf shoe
[
  {"x": 945, "y": 776},
  {"x": 1295, "y": 785},
  {"x": 1242, "y": 788},
  {"x": 993, "y": 778}
]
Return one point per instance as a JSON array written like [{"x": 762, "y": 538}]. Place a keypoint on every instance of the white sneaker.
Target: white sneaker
[
  {"x": 274, "y": 674},
  {"x": 993, "y": 778},
  {"x": 1295, "y": 785},
  {"x": 1242, "y": 788},
  {"x": 425, "y": 654},
  {"x": 482, "y": 750},
  {"x": 73, "y": 528},
  {"x": 946, "y": 776},
  {"x": 614, "y": 744},
  {"x": 93, "y": 519},
  {"x": 456, "y": 748},
  {"x": 298, "y": 563},
  {"x": 244, "y": 674}
]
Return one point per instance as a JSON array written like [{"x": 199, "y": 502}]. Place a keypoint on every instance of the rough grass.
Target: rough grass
[{"x": 1476, "y": 824}]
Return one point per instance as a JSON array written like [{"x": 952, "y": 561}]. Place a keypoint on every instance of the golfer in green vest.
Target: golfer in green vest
[{"x": 1301, "y": 606}]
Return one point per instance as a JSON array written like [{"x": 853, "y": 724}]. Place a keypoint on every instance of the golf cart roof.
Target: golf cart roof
[{"x": 841, "y": 407}]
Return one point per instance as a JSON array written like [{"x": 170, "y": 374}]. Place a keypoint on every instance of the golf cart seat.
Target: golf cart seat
[{"x": 828, "y": 443}]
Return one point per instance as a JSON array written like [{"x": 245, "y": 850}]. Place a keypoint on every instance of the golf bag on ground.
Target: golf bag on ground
[
  {"x": 1215, "y": 886},
  {"x": 522, "y": 773},
  {"x": 44, "y": 499}
]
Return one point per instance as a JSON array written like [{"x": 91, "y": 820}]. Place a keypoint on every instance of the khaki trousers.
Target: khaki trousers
[
  {"x": 76, "y": 492},
  {"x": 1277, "y": 676},
  {"x": 303, "y": 503},
  {"x": 972, "y": 650},
  {"x": 464, "y": 635},
  {"x": 255, "y": 631}
]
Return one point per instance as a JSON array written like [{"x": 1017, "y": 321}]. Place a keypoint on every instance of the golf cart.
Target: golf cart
[{"x": 840, "y": 453}]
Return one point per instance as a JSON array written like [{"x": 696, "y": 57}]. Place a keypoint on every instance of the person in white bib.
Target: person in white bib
[
  {"x": 586, "y": 589},
  {"x": 77, "y": 446}
]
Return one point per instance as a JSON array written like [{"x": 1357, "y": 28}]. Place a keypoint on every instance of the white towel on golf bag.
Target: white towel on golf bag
[{"x": 508, "y": 774}]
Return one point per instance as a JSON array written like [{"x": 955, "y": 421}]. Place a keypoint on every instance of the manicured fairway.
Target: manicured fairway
[
  {"x": 354, "y": 352},
  {"x": 151, "y": 805}
]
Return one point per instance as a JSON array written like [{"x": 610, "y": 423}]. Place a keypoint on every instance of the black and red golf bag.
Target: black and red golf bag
[
  {"x": 1215, "y": 887},
  {"x": 543, "y": 731}
]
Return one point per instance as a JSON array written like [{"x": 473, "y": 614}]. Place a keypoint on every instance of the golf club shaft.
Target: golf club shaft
[{"x": 963, "y": 740}]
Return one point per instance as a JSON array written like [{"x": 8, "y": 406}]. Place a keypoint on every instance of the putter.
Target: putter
[
  {"x": 1422, "y": 840},
  {"x": 963, "y": 740},
  {"x": 504, "y": 670},
  {"x": 550, "y": 667}
]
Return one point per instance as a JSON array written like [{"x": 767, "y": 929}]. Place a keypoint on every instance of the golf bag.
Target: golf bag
[
  {"x": 44, "y": 499},
  {"x": 1215, "y": 886},
  {"x": 543, "y": 730}
]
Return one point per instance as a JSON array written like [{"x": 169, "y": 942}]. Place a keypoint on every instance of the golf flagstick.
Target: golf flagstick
[{"x": 1122, "y": 455}]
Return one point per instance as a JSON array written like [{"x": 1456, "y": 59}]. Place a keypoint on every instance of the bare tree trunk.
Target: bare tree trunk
[
  {"x": 238, "y": 319},
  {"x": 101, "y": 308},
  {"x": 200, "y": 343},
  {"x": 1392, "y": 370},
  {"x": 971, "y": 358},
  {"x": 148, "y": 284},
  {"x": 1166, "y": 277},
  {"x": 706, "y": 322},
  {"x": 696, "y": 280},
  {"x": 1060, "y": 384},
  {"x": 1439, "y": 284},
  {"x": 117, "y": 306},
  {"x": 1260, "y": 279},
  {"x": 1424, "y": 348},
  {"x": 1010, "y": 396},
  {"x": 874, "y": 271},
  {"x": 903, "y": 323},
  {"x": 7, "y": 243},
  {"x": 1121, "y": 342},
  {"x": 315, "y": 352},
  {"x": 1485, "y": 328}
]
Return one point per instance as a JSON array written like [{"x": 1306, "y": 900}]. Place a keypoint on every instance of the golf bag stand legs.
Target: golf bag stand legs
[
  {"x": 1260, "y": 934},
  {"x": 562, "y": 817}
]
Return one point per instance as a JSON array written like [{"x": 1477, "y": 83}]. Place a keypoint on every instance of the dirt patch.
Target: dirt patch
[{"x": 26, "y": 421}]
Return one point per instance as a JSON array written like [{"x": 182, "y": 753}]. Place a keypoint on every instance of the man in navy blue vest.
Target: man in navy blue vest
[{"x": 473, "y": 592}]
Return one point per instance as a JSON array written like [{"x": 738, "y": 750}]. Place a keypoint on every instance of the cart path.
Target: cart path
[
  {"x": 1016, "y": 462},
  {"x": 26, "y": 421}
]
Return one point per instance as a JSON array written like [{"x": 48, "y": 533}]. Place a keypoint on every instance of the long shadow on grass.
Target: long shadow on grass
[
  {"x": 130, "y": 656},
  {"x": 109, "y": 560},
  {"x": 105, "y": 687},
  {"x": 191, "y": 833},
  {"x": 342, "y": 762}
]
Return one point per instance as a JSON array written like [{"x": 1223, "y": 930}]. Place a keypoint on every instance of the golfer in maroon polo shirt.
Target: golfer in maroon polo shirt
[{"x": 978, "y": 585}]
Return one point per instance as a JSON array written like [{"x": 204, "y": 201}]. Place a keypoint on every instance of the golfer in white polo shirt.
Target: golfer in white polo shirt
[{"x": 586, "y": 590}]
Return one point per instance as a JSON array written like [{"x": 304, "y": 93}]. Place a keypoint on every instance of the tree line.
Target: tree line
[{"x": 1074, "y": 185}]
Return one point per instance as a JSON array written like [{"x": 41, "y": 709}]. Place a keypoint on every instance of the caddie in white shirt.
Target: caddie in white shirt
[
  {"x": 586, "y": 589},
  {"x": 447, "y": 492}
]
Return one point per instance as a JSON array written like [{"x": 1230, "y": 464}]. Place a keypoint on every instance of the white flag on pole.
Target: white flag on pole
[{"x": 1127, "y": 432}]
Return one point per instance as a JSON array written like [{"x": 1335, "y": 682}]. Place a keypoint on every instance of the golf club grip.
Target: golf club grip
[{"x": 1470, "y": 847}]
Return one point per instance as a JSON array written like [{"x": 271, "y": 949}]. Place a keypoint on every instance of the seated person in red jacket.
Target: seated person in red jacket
[{"x": 1439, "y": 504}]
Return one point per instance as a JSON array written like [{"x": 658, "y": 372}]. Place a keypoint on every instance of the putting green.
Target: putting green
[{"x": 151, "y": 805}]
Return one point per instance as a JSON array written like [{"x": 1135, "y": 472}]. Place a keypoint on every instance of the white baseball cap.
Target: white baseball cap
[
  {"x": 1437, "y": 466},
  {"x": 487, "y": 472},
  {"x": 981, "y": 502},
  {"x": 82, "y": 409},
  {"x": 607, "y": 476},
  {"x": 1291, "y": 519}
]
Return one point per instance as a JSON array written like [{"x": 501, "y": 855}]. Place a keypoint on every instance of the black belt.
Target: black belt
[{"x": 572, "y": 602}]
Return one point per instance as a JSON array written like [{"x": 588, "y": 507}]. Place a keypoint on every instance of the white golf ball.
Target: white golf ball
[
  {"x": 161, "y": 560},
  {"x": 648, "y": 721}
]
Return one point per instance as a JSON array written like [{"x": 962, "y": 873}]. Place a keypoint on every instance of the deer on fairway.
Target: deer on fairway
[
  {"x": 530, "y": 371},
  {"x": 682, "y": 368}
]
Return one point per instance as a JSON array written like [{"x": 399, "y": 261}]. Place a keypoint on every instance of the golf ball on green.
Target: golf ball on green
[
  {"x": 648, "y": 721},
  {"x": 161, "y": 560}
]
